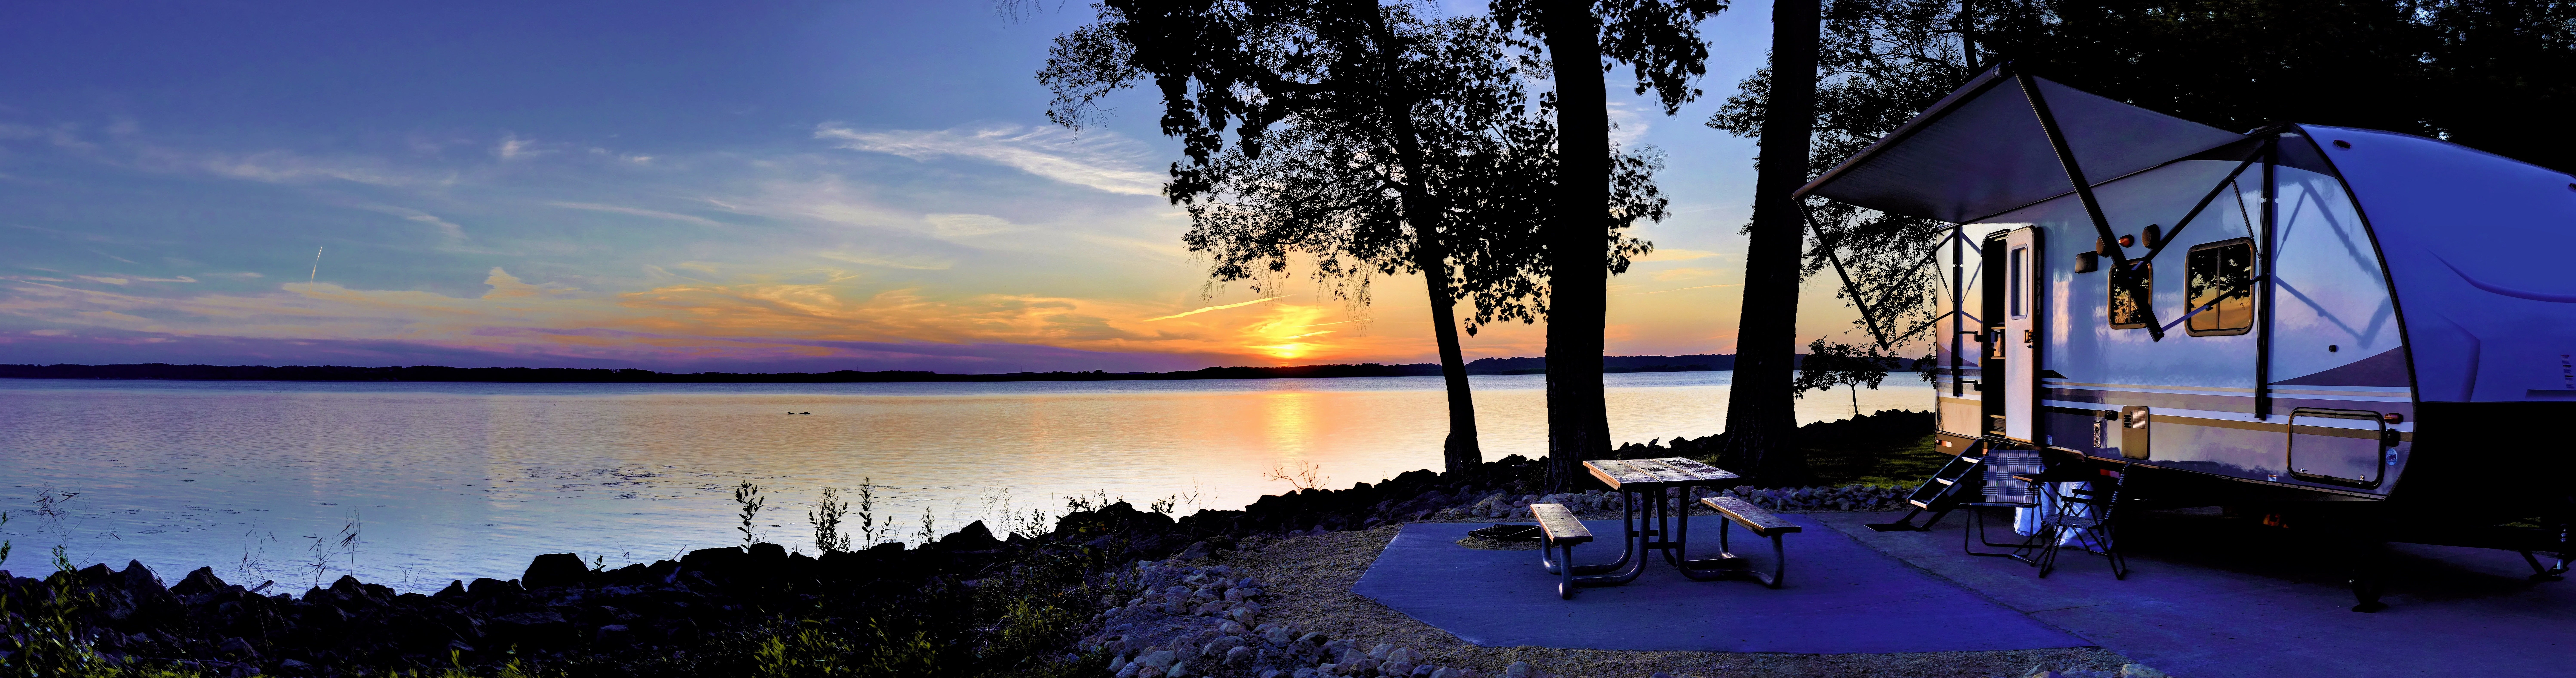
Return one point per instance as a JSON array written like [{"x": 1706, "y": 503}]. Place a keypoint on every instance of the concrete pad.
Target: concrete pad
[
  {"x": 2209, "y": 596},
  {"x": 1839, "y": 597}
]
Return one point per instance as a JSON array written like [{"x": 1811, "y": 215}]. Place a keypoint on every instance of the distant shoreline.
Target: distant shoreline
[{"x": 433, "y": 373}]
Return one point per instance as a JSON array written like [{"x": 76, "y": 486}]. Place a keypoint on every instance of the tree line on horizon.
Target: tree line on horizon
[
  {"x": 438, "y": 373},
  {"x": 1359, "y": 138}
]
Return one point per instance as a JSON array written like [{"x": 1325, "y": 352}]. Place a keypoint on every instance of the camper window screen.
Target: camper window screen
[
  {"x": 2218, "y": 279},
  {"x": 2132, "y": 288}
]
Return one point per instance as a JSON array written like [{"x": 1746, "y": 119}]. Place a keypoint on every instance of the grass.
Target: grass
[{"x": 1888, "y": 463}]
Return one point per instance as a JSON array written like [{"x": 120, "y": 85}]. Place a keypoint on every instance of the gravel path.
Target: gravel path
[{"x": 1309, "y": 579}]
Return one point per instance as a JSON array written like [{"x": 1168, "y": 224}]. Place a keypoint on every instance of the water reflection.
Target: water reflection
[{"x": 464, "y": 480}]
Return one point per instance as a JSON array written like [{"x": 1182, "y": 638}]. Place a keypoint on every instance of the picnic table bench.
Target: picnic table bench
[
  {"x": 1761, "y": 523},
  {"x": 1559, "y": 530}
]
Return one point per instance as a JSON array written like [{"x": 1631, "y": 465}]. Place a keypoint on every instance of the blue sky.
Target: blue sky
[{"x": 736, "y": 186}]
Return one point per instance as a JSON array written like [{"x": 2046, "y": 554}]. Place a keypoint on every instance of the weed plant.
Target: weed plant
[
  {"x": 748, "y": 495},
  {"x": 826, "y": 517}
]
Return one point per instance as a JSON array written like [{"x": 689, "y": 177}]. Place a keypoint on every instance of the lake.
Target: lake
[{"x": 414, "y": 484}]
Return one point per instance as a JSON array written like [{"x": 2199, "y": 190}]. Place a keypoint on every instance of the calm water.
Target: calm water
[{"x": 264, "y": 480}]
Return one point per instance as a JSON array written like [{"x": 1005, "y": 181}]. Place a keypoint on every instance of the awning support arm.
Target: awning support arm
[
  {"x": 2204, "y": 203},
  {"x": 1848, "y": 288},
  {"x": 2083, "y": 187}
]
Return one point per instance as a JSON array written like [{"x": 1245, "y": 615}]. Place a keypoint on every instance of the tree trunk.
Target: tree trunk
[
  {"x": 1761, "y": 423},
  {"x": 1855, "y": 393},
  {"x": 1578, "y": 422},
  {"x": 1461, "y": 450}
]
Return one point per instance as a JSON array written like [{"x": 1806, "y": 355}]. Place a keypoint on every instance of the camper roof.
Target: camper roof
[{"x": 1982, "y": 151}]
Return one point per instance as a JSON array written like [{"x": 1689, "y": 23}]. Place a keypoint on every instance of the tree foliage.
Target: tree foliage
[{"x": 1831, "y": 363}]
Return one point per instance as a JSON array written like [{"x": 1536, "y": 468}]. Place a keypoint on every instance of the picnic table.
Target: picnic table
[{"x": 1647, "y": 488}]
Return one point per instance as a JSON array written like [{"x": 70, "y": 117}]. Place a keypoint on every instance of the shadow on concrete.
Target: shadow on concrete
[
  {"x": 1839, "y": 597},
  {"x": 2216, "y": 596}
]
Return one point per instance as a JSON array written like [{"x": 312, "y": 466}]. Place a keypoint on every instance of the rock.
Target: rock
[
  {"x": 1444, "y": 672},
  {"x": 198, "y": 582},
  {"x": 553, "y": 570},
  {"x": 2140, "y": 671},
  {"x": 1395, "y": 668},
  {"x": 1149, "y": 672},
  {"x": 1238, "y": 655},
  {"x": 236, "y": 647},
  {"x": 1159, "y": 659},
  {"x": 974, "y": 537},
  {"x": 1379, "y": 652},
  {"x": 1519, "y": 670}
]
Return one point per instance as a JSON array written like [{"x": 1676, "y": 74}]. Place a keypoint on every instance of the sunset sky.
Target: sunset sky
[{"x": 755, "y": 186}]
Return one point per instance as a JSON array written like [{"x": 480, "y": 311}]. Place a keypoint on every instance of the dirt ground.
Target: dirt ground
[{"x": 1313, "y": 575}]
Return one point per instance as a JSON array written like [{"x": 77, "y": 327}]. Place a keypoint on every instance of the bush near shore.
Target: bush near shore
[{"x": 967, "y": 604}]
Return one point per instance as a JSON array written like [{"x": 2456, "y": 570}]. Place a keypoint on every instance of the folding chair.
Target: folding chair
[
  {"x": 1997, "y": 488},
  {"x": 2088, "y": 511}
]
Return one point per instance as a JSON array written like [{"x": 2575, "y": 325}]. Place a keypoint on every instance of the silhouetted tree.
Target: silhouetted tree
[
  {"x": 1831, "y": 363},
  {"x": 1582, "y": 39},
  {"x": 1362, "y": 136},
  {"x": 1761, "y": 424}
]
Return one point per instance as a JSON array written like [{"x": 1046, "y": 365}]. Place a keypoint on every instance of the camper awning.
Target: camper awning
[{"x": 1982, "y": 150}]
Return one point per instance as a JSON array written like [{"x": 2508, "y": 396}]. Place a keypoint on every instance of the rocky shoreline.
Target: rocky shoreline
[{"x": 1115, "y": 584}]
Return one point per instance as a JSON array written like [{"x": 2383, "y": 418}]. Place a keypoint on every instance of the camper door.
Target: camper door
[{"x": 2021, "y": 338}]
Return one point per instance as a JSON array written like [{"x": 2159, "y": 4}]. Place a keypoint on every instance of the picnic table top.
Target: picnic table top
[{"x": 1664, "y": 472}]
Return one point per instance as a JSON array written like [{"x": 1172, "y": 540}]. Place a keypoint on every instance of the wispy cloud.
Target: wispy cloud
[
  {"x": 1676, "y": 254},
  {"x": 512, "y": 147},
  {"x": 283, "y": 167},
  {"x": 1196, "y": 311},
  {"x": 1678, "y": 289},
  {"x": 637, "y": 211},
  {"x": 1684, "y": 273},
  {"x": 445, "y": 228},
  {"x": 896, "y": 261},
  {"x": 1101, "y": 161}
]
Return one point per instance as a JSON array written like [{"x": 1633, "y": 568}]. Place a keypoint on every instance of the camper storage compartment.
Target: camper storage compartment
[{"x": 2336, "y": 446}]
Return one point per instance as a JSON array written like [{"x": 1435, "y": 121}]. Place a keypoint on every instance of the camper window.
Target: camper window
[
  {"x": 2218, "y": 279},
  {"x": 2132, "y": 288},
  {"x": 2014, "y": 282}
]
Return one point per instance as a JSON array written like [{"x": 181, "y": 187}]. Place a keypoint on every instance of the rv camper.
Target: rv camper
[{"x": 2368, "y": 325}]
